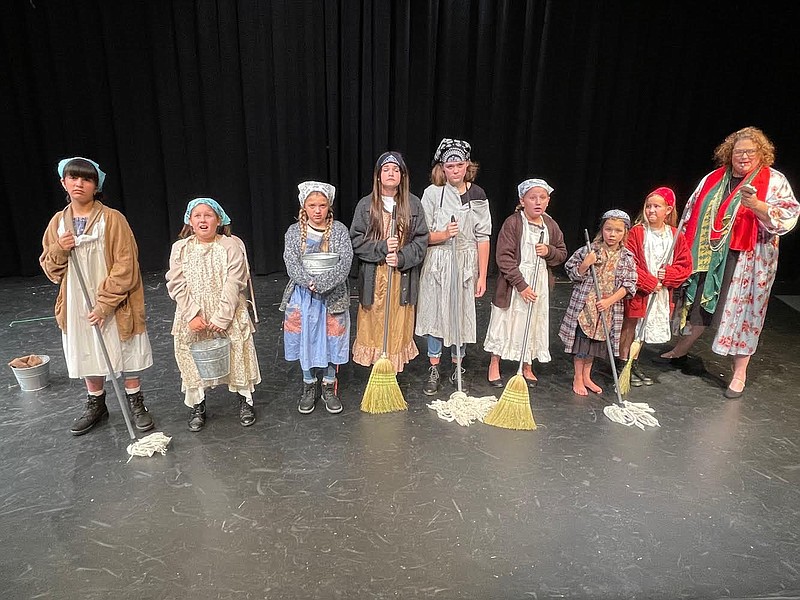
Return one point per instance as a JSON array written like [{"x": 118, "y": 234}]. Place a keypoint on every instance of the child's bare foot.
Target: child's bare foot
[
  {"x": 579, "y": 389},
  {"x": 592, "y": 386},
  {"x": 494, "y": 372},
  {"x": 527, "y": 372}
]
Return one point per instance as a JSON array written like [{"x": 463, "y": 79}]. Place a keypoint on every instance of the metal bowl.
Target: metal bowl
[{"x": 319, "y": 262}]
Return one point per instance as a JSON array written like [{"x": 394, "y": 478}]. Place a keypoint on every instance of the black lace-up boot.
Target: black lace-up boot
[
  {"x": 141, "y": 417},
  {"x": 95, "y": 410}
]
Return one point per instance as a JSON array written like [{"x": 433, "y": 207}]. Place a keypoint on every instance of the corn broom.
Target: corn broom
[{"x": 513, "y": 410}]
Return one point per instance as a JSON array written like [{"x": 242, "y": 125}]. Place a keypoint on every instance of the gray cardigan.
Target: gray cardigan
[
  {"x": 330, "y": 284},
  {"x": 371, "y": 253}
]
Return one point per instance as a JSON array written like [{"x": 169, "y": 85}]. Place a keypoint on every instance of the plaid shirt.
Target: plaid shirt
[{"x": 624, "y": 276}]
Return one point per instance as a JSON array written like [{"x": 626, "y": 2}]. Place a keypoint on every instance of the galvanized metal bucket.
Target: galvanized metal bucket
[
  {"x": 34, "y": 378},
  {"x": 212, "y": 357}
]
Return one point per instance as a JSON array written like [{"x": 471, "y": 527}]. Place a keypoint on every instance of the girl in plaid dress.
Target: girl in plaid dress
[{"x": 581, "y": 330}]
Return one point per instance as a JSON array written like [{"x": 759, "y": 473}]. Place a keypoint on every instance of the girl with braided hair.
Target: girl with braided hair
[{"x": 316, "y": 301}]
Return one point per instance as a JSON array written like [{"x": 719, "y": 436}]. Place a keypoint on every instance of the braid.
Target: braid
[
  {"x": 326, "y": 237},
  {"x": 303, "y": 218}
]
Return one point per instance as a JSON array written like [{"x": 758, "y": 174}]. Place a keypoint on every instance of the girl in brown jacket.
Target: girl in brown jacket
[
  {"x": 101, "y": 239},
  {"x": 520, "y": 254}
]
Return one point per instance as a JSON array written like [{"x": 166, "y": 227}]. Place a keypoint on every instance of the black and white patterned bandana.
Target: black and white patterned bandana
[{"x": 451, "y": 150}]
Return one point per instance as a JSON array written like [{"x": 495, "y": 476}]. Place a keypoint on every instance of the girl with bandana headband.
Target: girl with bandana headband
[
  {"x": 207, "y": 278},
  {"x": 378, "y": 251},
  {"x": 657, "y": 275},
  {"x": 458, "y": 217},
  {"x": 316, "y": 302},
  {"x": 615, "y": 267},
  {"x": 101, "y": 240},
  {"x": 529, "y": 245}
]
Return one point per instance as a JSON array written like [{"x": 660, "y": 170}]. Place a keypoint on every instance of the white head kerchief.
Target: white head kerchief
[
  {"x": 309, "y": 187},
  {"x": 526, "y": 185}
]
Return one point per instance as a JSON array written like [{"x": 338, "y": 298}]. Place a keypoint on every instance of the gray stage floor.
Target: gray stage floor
[{"x": 403, "y": 505}]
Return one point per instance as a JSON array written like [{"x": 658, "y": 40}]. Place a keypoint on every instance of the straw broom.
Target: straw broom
[
  {"x": 636, "y": 345},
  {"x": 382, "y": 394},
  {"x": 633, "y": 353},
  {"x": 513, "y": 410},
  {"x": 150, "y": 444}
]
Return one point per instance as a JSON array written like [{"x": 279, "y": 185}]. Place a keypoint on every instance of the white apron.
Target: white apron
[
  {"x": 82, "y": 352},
  {"x": 507, "y": 325}
]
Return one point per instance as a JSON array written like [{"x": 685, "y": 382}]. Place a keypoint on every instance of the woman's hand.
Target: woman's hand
[
  {"x": 391, "y": 259},
  {"x": 392, "y": 244},
  {"x": 749, "y": 198},
  {"x": 542, "y": 250}
]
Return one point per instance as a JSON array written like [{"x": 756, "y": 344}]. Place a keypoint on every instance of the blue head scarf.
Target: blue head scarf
[
  {"x": 101, "y": 176},
  {"x": 224, "y": 218}
]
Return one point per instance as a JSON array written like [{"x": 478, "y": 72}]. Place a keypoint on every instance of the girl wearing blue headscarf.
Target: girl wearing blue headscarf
[
  {"x": 96, "y": 240},
  {"x": 207, "y": 278}
]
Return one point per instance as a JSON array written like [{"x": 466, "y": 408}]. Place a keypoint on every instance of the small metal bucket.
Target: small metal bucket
[
  {"x": 34, "y": 378},
  {"x": 212, "y": 357}
]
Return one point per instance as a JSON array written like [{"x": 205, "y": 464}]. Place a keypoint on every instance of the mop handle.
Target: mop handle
[
  {"x": 455, "y": 291},
  {"x": 609, "y": 347},
  {"x": 101, "y": 341},
  {"x": 530, "y": 310},
  {"x": 670, "y": 253},
  {"x": 392, "y": 227},
  {"x": 252, "y": 298}
]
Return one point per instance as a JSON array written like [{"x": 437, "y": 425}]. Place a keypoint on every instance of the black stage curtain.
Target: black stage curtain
[{"x": 243, "y": 100}]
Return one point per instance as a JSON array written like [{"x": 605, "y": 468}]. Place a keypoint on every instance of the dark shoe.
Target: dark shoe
[
  {"x": 732, "y": 395},
  {"x": 677, "y": 361},
  {"x": 308, "y": 399},
  {"x": 454, "y": 376},
  {"x": 496, "y": 383},
  {"x": 247, "y": 415},
  {"x": 95, "y": 410},
  {"x": 532, "y": 383},
  {"x": 197, "y": 417},
  {"x": 635, "y": 379},
  {"x": 141, "y": 417},
  {"x": 332, "y": 403},
  {"x": 431, "y": 385},
  {"x": 636, "y": 371}
]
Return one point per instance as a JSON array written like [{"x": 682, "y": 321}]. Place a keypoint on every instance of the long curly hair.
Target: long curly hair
[
  {"x": 375, "y": 227},
  {"x": 723, "y": 154},
  {"x": 302, "y": 218}
]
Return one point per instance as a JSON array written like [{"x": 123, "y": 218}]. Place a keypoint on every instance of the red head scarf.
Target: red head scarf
[{"x": 666, "y": 193}]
